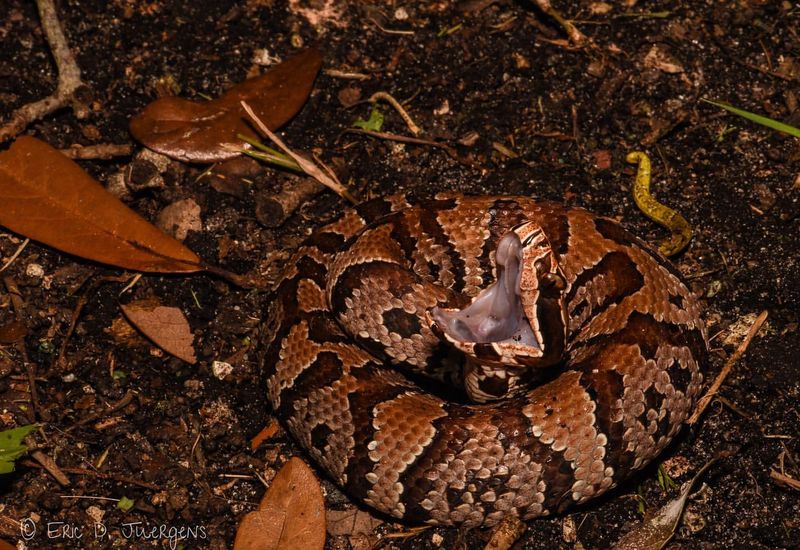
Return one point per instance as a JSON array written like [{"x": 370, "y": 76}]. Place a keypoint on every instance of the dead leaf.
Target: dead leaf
[
  {"x": 350, "y": 522},
  {"x": 167, "y": 327},
  {"x": 50, "y": 199},
  {"x": 659, "y": 58},
  {"x": 6, "y": 545},
  {"x": 291, "y": 515},
  {"x": 656, "y": 530},
  {"x": 205, "y": 131},
  {"x": 12, "y": 332}
]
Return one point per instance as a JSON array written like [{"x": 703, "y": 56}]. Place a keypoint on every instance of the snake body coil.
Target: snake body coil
[{"x": 570, "y": 352}]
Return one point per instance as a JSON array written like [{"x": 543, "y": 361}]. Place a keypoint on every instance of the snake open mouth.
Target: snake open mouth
[{"x": 496, "y": 314}]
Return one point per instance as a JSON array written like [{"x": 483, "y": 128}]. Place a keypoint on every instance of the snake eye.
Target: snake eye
[{"x": 554, "y": 280}]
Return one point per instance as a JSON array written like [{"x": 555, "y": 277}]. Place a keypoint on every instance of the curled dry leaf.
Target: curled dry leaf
[
  {"x": 205, "y": 131},
  {"x": 167, "y": 327},
  {"x": 291, "y": 515},
  {"x": 656, "y": 530},
  {"x": 48, "y": 198}
]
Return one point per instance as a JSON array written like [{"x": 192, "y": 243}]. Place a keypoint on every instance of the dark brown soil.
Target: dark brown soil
[{"x": 479, "y": 72}]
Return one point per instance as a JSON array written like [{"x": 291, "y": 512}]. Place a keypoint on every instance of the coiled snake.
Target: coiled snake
[{"x": 466, "y": 358}]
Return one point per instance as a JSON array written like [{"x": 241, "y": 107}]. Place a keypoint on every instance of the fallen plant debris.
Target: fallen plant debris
[
  {"x": 69, "y": 78},
  {"x": 273, "y": 209},
  {"x": 507, "y": 532},
  {"x": 316, "y": 170},
  {"x": 166, "y": 326},
  {"x": 739, "y": 260},
  {"x": 657, "y": 529},
  {"x": 291, "y": 514},
  {"x": 50, "y": 199},
  {"x": 206, "y": 131},
  {"x": 726, "y": 369}
]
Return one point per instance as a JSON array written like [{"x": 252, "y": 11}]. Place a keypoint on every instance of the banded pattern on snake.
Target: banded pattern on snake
[{"x": 465, "y": 358}]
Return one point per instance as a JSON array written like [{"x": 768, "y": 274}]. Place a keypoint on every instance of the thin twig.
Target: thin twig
[
  {"x": 51, "y": 467},
  {"x": 308, "y": 167},
  {"x": 122, "y": 403},
  {"x": 242, "y": 281},
  {"x": 732, "y": 360},
  {"x": 15, "y": 255},
  {"x": 336, "y": 73},
  {"x": 100, "y": 475},
  {"x": 412, "y": 127},
  {"x": 69, "y": 78},
  {"x": 102, "y": 151},
  {"x": 786, "y": 480},
  {"x": 404, "y": 139},
  {"x": 575, "y": 36},
  {"x": 389, "y": 31},
  {"x": 274, "y": 209}
]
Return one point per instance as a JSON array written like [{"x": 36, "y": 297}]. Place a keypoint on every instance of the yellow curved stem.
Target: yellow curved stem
[{"x": 659, "y": 213}]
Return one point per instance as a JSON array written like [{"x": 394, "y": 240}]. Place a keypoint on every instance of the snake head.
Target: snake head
[{"x": 502, "y": 326}]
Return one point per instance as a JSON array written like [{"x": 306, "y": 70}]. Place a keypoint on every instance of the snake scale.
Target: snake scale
[{"x": 465, "y": 358}]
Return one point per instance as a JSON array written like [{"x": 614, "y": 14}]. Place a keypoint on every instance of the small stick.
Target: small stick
[
  {"x": 732, "y": 360},
  {"x": 69, "y": 78},
  {"x": 575, "y": 36},
  {"x": 389, "y": 31},
  {"x": 786, "y": 480},
  {"x": 336, "y": 73},
  {"x": 51, "y": 467},
  {"x": 242, "y": 281},
  {"x": 308, "y": 167},
  {"x": 404, "y": 139},
  {"x": 15, "y": 255},
  {"x": 101, "y": 151},
  {"x": 122, "y": 403},
  {"x": 273, "y": 210},
  {"x": 412, "y": 127},
  {"x": 101, "y": 475}
]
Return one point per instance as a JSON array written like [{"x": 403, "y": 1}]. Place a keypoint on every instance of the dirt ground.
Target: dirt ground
[{"x": 528, "y": 113}]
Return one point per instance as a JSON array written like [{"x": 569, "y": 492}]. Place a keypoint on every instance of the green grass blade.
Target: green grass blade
[{"x": 758, "y": 119}]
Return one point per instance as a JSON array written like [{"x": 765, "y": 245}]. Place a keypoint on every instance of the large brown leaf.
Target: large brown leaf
[
  {"x": 291, "y": 515},
  {"x": 49, "y": 198},
  {"x": 205, "y": 131}
]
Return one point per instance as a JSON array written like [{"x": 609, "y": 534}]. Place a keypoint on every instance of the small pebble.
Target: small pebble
[
  {"x": 34, "y": 271},
  {"x": 221, "y": 369}
]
